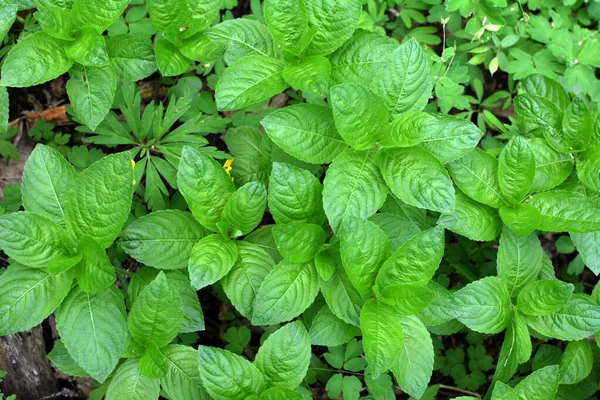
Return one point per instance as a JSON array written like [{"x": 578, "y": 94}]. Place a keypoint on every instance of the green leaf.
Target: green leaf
[
  {"x": 55, "y": 21},
  {"x": 97, "y": 14},
  {"x": 414, "y": 367},
  {"x": 92, "y": 91},
  {"x": 305, "y": 131},
  {"x": 210, "y": 260},
  {"x": 248, "y": 81},
  {"x": 551, "y": 167},
  {"x": 415, "y": 262},
  {"x": 205, "y": 185},
  {"x": 284, "y": 357},
  {"x": 417, "y": 178},
  {"x": 61, "y": 358},
  {"x": 28, "y": 295},
  {"x": 285, "y": 293},
  {"x": 564, "y": 211},
  {"x": 183, "y": 376},
  {"x": 152, "y": 363},
  {"x": 157, "y": 313},
  {"x": 245, "y": 208},
  {"x": 31, "y": 239},
  {"x": 334, "y": 22},
  {"x": 309, "y": 74},
  {"x": 360, "y": 58},
  {"x": 7, "y": 18},
  {"x": 523, "y": 346},
  {"x": 242, "y": 283},
  {"x": 341, "y": 297},
  {"x": 294, "y": 195},
  {"x": 35, "y": 59},
  {"x": 577, "y": 125},
  {"x": 93, "y": 329},
  {"x": 588, "y": 167},
  {"x": 162, "y": 239},
  {"x": 288, "y": 23},
  {"x": 476, "y": 174},
  {"x": 4, "y": 109},
  {"x": 360, "y": 116},
  {"x": 441, "y": 309},
  {"x": 328, "y": 330},
  {"x": 95, "y": 271},
  {"x": 100, "y": 200},
  {"x": 131, "y": 56},
  {"x": 364, "y": 248},
  {"x": 485, "y": 305},
  {"x": 544, "y": 297},
  {"x": 536, "y": 113},
  {"x": 406, "y": 299},
  {"x": 227, "y": 376},
  {"x": 472, "y": 219},
  {"x": 453, "y": 138},
  {"x": 383, "y": 337},
  {"x": 353, "y": 186},
  {"x": 88, "y": 49},
  {"x": 47, "y": 177},
  {"x": 410, "y": 129},
  {"x": 576, "y": 363},
  {"x": 405, "y": 83},
  {"x": 522, "y": 219},
  {"x": 129, "y": 383},
  {"x": 519, "y": 260},
  {"x": 298, "y": 242},
  {"x": 277, "y": 393},
  {"x": 539, "y": 85},
  {"x": 170, "y": 61},
  {"x": 588, "y": 246},
  {"x": 541, "y": 384},
  {"x": 516, "y": 169},
  {"x": 325, "y": 263}
]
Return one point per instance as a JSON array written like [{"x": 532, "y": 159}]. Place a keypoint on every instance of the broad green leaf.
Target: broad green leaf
[
  {"x": 199, "y": 47},
  {"x": 298, "y": 242},
  {"x": 405, "y": 82},
  {"x": 97, "y": 14},
  {"x": 183, "y": 376},
  {"x": 100, "y": 200},
  {"x": 364, "y": 248},
  {"x": 503, "y": 392},
  {"x": 453, "y": 138},
  {"x": 93, "y": 328},
  {"x": 341, "y": 297},
  {"x": 285, "y": 293},
  {"x": 242, "y": 283},
  {"x": 577, "y": 125},
  {"x": 32, "y": 239},
  {"x": 310, "y": 74},
  {"x": 588, "y": 246},
  {"x": 288, "y": 24},
  {"x": 284, "y": 357},
  {"x": 476, "y": 175},
  {"x": 507, "y": 359},
  {"x": 334, "y": 22},
  {"x": 47, "y": 177},
  {"x": 64, "y": 262},
  {"x": 248, "y": 81},
  {"x": 325, "y": 264},
  {"x": 417, "y": 178},
  {"x": 400, "y": 221},
  {"x": 294, "y": 195},
  {"x": 360, "y": 116},
  {"x": 91, "y": 91},
  {"x": 305, "y": 131},
  {"x": 210, "y": 260},
  {"x": 8, "y": 14},
  {"x": 576, "y": 363},
  {"x": 227, "y": 376},
  {"x": 539, "y": 85},
  {"x": 55, "y": 21},
  {"x": 519, "y": 260},
  {"x": 516, "y": 169},
  {"x": 243, "y": 37},
  {"x": 564, "y": 211},
  {"x": 205, "y": 185},
  {"x": 414, "y": 366},
  {"x": 277, "y": 393},
  {"x": 588, "y": 167},
  {"x": 95, "y": 271},
  {"x": 541, "y": 384},
  {"x": 131, "y": 56},
  {"x": 523, "y": 346},
  {"x": 35, "y": 59},
  {"x": 157, "y": 313},
  {"x": 472, "y": 219},
  {"x": 406, "y": 299},
  {"x": 169, "y": 59},
  {"x": 4, "y": 109},
  {"x": 168, "y": 15},
  {"x": 522, "y": 219},
  {"x": 415, "y": 262},
  {"x": 360, "y": 58},
  {"x": 162, "y": 239},
  {"x": 353, "y": 186},
  {"x": 88, "y": 49},
  {"x": 410, "y": 129},
  {"x": 382, "y": 334},
  {"x": 61, "y": 358},
  {"x": 544, "y": 297},
  {"x": 442, "y": 307},
  {"x": 551, "y": 167},
  {"x": 576, "y": 320},
  {"x": 535, "y": 113},
  {"x": 328, "y": 330},
  {"x": 152, "y": 363},
  {"x": 129, "y": 383},
  {"x": 485, "y": 305},
  {"x": 28, "y": 295},
  {"x": 245, "y": 208}
]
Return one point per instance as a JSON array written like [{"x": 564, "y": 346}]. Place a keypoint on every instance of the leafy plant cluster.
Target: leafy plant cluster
[{"x": 360, "y": 216}]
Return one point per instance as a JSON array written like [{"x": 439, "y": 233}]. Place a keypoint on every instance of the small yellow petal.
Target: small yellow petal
[{"x": 132, "y": 164}]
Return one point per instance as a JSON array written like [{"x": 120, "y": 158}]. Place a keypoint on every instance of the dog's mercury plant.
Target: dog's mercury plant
[{"x": 353, "y": 255}]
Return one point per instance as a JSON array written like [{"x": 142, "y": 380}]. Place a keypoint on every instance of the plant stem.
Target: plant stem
[{"x": 460, "y": 390}]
